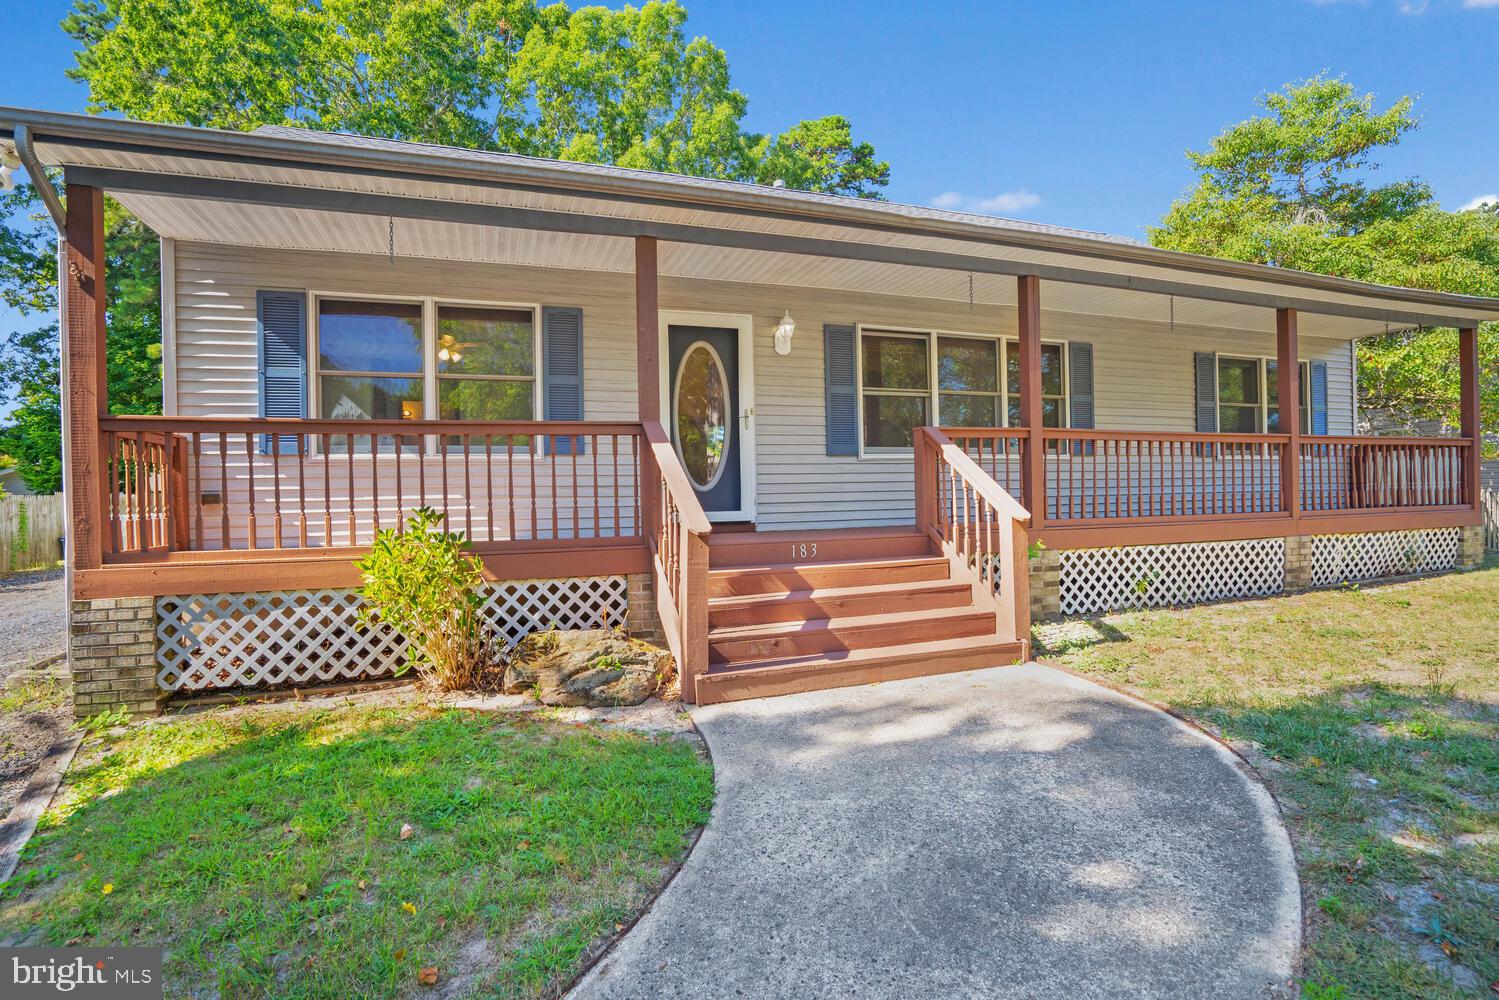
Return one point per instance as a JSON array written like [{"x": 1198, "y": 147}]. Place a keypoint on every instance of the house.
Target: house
[{"x": 807, "y": 440}]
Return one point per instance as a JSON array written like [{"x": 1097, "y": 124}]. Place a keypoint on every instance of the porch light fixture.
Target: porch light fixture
[{"x": 785, "y": 330}]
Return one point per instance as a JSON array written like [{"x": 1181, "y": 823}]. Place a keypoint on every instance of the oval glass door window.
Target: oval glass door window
[{"x": 703, "y": 422}]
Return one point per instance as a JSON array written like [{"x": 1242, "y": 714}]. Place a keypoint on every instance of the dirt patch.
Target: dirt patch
[{"x": 33, "y": 717}]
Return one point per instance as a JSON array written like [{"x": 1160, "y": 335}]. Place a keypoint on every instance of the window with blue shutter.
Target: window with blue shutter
[
  {"x": 562, "y": 371},
  {"x": 1205, "y": 367},
  {"x": 842, "y": 393},
  {"x": 281, "y": 332},
  {"x": 1319, "y": 397},
  {"x": 1080, "y": 391}
]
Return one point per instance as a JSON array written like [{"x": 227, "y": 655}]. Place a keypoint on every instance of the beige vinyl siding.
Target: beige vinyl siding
[{"x": 1143, "y": 377}]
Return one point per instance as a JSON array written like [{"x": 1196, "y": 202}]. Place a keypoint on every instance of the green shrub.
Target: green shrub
[{"x": 421, "y": 583}]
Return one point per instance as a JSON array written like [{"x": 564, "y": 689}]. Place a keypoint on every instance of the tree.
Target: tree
[
  {"x": 29, "y": 364},
  {"x": 1293, "y": 188},
  {"x": 624, "y": 86}
]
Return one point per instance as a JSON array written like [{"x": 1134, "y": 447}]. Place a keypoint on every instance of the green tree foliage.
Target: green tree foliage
[
  {"x": 594, "y": 85},
  {"x": 626, "y": 87},
  {"x": 29, "y": 362},
  {"x": 1294, "y": 188}
]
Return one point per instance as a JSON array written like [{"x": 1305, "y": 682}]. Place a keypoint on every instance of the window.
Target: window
[
  {"x": 369, "y": 360},
  {"x": 486, "y": 369},
  {"x": 1053, "y": 385},
  {"x": 1272, "y": 398},
  {"x": 969, "y": 380},
  {"x": 969, "y": 393},
  {"x": 897, "y": 388},
  {"x": 1240, "y": 401},
  {"x": 1249, "y": 398}
]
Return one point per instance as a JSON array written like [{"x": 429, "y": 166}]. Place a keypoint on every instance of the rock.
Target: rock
[{"x": 595, "y": 668}]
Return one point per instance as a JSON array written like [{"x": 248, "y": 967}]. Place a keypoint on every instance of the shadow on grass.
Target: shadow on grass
[{"x": 267, "y": 853}]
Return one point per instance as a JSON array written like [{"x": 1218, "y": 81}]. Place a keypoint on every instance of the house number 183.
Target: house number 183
[{"x": 804, "y": 551}]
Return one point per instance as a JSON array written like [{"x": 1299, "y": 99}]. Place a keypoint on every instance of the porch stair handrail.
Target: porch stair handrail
[
  {"x": 979, "y": 526},
  {"x": 677, "y": 533}
]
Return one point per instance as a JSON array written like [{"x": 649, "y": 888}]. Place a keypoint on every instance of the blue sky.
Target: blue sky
[{"x": 1067, "y": 112}]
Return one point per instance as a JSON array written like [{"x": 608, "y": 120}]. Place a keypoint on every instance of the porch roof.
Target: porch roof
[{"x": 292, "y": 188}]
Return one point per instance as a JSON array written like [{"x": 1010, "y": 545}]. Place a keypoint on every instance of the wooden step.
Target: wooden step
[
  {"x": 846, "y": 602},
  {"x": 762, "y": 548},
  {"x": 792, "y": 675},
  {"x": 784, "y": 578},
  {"x": 779, "y": 640}
]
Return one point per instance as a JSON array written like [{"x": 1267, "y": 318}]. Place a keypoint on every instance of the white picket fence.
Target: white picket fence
[{"x": 29, "y": 530}]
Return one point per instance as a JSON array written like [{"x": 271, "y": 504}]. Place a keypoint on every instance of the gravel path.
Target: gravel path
[
  {"x": 33, "y": 627},
  {"x": 33, "y": 622}
]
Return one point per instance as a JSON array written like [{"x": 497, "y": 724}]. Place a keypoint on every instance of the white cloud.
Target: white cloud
[
  {"x": 1414, "y": 8},
  {"x": 1483, "y": 199},
  {"x": 1015, "y": 202}
]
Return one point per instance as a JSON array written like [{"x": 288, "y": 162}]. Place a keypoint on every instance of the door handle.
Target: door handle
[{"x": 747, "y": 414}]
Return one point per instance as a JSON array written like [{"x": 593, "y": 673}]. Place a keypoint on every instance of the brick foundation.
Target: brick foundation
[
  {"x": 1046, "y": 585},
  {"x": 1298, "y": 562},
  {"x": 112, "y": 651},
  {"x": 641, "y": 618},
  {"x": 1470, "y": 547}
]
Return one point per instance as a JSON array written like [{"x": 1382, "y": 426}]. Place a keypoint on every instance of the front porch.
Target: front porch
[{"x": 915, "y": 546}]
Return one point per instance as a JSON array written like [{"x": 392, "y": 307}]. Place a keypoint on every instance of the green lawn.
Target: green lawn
[
  {"x": 1377, "y": 712},
  {"x": 263, "y": 848}
]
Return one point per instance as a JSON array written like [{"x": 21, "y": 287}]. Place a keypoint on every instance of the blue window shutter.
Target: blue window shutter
[
  {"x": 281, "y": 333},
  {"x": 1205, "y": 365},
  {"x": 1319, "y": 397},
  {"x": 1080, "y": 383},
  {"x": 562, "y": 371},
  {"x": 842, "y": 395}
]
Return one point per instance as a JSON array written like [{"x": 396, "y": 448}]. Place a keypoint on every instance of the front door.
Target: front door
[{"x": 703, "y": 394}]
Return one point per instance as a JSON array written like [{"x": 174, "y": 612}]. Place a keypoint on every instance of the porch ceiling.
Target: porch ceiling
[
  {"x": 279, "y": 227},
  {"x": 292, "y": 188}
]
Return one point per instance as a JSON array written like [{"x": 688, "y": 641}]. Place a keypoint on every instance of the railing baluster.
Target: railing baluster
[
  {"x": 274, "y": 440},
  {"x": 468, "y": 489},
  {"x": 250, "y": 485},
  {"x": 327, "y": 455}
]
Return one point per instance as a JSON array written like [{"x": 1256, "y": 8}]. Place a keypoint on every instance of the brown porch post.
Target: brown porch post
[
  {"x": 1033, "y": 469},
  {"x": 647, "y": 371},
  {"x": 1470, "y": 421},
  {"x": 1287, "y": 387},
  {"x": 87, "y": 390},
  {"x": 647, "y": 329}
]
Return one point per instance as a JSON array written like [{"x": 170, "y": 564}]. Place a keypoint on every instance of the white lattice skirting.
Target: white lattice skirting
[
  {"x": 1143, "y": 576},
  {"x": 213, "y": 641},
  {"x": 1336, "y": 558}
]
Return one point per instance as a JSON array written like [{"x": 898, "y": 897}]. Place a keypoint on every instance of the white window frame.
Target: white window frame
[
  {"x": 1304, "y": 370},
  {"x": 934, "y": 393},
  {"x": 429, "y": 375}
]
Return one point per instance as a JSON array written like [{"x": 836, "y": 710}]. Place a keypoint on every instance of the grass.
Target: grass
[
  {"x": 39, "y": 695},
  {"x": 264, "y": 849},
  {"x": 1375, "y": 712}
]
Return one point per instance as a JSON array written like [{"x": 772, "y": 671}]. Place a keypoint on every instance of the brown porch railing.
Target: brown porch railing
[
  {"x": 1094, "y": 477},
  {"x": 1126, "y": 475},
  {"x": 208, "y": 485},
  {"x": 677, "y": 532},
  {"x": 980, "y": 527},
  {"x": 1359, "y": 473}
]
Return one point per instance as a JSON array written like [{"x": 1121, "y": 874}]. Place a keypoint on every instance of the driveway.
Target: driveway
[{"x": 1015, "y": 832}]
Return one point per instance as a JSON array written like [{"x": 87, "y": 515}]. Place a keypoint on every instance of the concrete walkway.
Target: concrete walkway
[{"x": 1014, "y": 832}]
